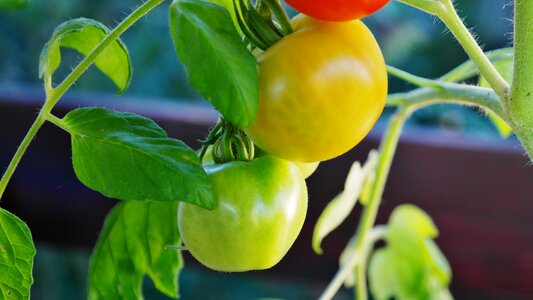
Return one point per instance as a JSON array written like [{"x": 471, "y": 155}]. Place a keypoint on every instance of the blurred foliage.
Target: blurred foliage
[
  {"x": 410, "y": 39},
  {"x": 12, "y": 4},
  {"x": 60, "y": 273}
]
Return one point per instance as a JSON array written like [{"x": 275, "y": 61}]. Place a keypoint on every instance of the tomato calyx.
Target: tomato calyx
[
  {"x": 229, "y": 143},
  {"x": 263, "y": 23}
]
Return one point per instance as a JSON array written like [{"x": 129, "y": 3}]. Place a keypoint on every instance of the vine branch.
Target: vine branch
[
  {"x": 54, "y": 95},
  {"x": 449, "y": 93},
  {"x": 445, "y": 11}
]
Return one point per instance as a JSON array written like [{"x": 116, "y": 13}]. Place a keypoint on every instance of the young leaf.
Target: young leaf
[
  {"x": 16, "y": 257},
  {"x": 409, "y": 218},
  {"x": 129, "y": 157},
  {"x": 13, "y": 4},
  {"x": 218, "y": 63},
  {"x": 132, "y": 244},
  {"x": 411, "y": 266},
  {"x": 83, "y": 35},
  {"x": 381, "y": 277},
  {"x": 340, "y": 207}
]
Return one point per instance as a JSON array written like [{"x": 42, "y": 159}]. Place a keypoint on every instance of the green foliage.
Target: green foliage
[
  {"x": 411, "y": 266},
  {"x": 16, "y": 257},
  {"x": 340, "y": 207},
  {"x": 13, "y": 4},
  {"x": 129, "y": 157},
  {"x": 217, "y": 61},
  {"x": 132, "y": 244},
  {"x": 83, "y": 35}
]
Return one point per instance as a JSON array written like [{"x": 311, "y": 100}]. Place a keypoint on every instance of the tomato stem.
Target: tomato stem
[
  {"x": 452, "y": 20},
  {"x": 445, "y": 11},
  {"x": 520, "y": 102},
  {"x": 454, "y": 93},
  {"x": 280, "y": 14},
  {"x": 416, "y": 80}
]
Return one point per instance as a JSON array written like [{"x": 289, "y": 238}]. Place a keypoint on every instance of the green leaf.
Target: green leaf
[
  {"x": 133, "y": 243},
  {"x": 129, "y": 157},
  {"x": 221, "y": 68},
  {"x": 505, "y": 68},
  {"x": 411, "y": 219},
  {"x": 16, "y": 257},
  {"x": 382, "y": 279},
  {"x": 13, "y": 4},
  {"x": 83, "y": 35},
  {"x": 228, "y": 5},
  {"x": 411, "y": 266},
  {"x": 340, "y": 207}
]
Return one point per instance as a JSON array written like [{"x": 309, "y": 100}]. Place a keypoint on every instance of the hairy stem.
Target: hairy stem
[
  {"x": 453, "y": 22},
  {"x": 54, "y": 95},
  {"x": 449, "y": 93},
  {"x": 416, "y": 80},
  {"x": 60, "y": 90},
  {"x": 521, "y": 99},
  {"x": 445, "y": 11}
]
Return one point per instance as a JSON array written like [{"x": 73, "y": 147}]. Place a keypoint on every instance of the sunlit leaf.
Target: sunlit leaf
[
  {"x": 16, "y": 257},
  {"x": 411, "y": 266},
  {"x": 83, "y": 35},
  {"x": 340, "y": 207},
  {"x": 412, "y": 219},
  {"x": 221, "y": 68},
  {"x": 129, "y": 157}
]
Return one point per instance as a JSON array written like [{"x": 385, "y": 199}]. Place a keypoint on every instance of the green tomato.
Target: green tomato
[
  {"x": 260, "y": 210},
  {"x": 307, "y": 169}
]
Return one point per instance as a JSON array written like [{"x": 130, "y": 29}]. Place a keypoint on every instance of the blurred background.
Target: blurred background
[{"x": 451, "y": 161}]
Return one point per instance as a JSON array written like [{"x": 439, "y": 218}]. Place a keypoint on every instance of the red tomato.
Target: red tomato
[{"x": 337, "y": 10}]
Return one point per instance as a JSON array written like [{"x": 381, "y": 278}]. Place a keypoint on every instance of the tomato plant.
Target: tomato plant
[
  {"x": 261, "y": 207},
  {"x": 304, "y": 91},
  {"x": 337, "y": 10},
  {"x": 318, "y": 98}
]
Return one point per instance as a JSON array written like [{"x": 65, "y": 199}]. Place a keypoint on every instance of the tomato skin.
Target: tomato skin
[
  {"x": 321, "y": 89},
  {"x": 261, "y": 207},
  {"x": 337, "y": 10}
]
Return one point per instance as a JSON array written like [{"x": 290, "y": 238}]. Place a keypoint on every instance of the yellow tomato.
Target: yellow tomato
[{"x": 321, "y": 88}]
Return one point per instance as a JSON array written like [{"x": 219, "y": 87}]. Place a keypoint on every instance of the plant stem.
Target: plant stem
[
  {"x": 521, "y": 100},
  {"x": 39, "y": 121},
  {"x": 280, "y": 14},
  {"x": 471, "y": 47},
  {"x": 54, "y": 95},
  {"x": 60, "y": 90},
  {"x": 355, "y": 259},
  {"x": 446, "y": 12},
  {"x": 416, "y": 80},
  {"x": 468, "y": 69},
  {"x": 449, "y": 93},
  {"x": 368, "y": 218},
  {"x": 340, "y": 277}
]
